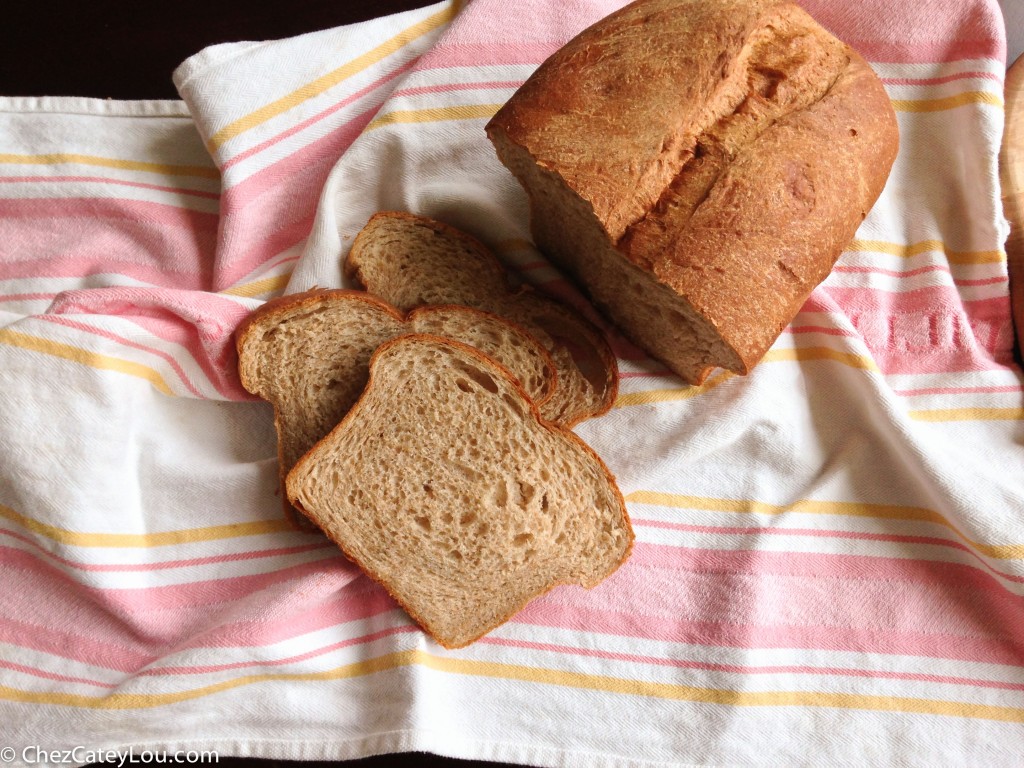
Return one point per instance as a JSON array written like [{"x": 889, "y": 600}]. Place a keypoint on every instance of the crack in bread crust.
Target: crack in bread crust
[
  {"x": 702, "y": 174},
  {"x": 787, "y": 66}
]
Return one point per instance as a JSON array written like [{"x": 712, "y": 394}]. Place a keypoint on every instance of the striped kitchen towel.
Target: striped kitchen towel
[{"x": 829, "y": 564}]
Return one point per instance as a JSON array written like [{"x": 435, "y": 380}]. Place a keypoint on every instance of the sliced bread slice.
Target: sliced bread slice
[
  {"x": 308, "y": 354},
  {"x": 411, "y": 260},
  {"x": 445, "y": 485}
]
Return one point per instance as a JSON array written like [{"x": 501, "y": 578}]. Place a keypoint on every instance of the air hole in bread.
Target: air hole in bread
[
  {"x": 678, "y": 318},
  {"x": 499, "y": 495},
  {"x": 464, "y": 385},
  {"x": 587, "y": 360},
  {"x": 467, "y": 518},
  {"x": 481, "y": 377},
  {"x": 427, "y": 489},
  {"x": 522, "y": 539},
  {"x": 527, "y": 492},
  {"x": 423, "y": 522},
  {"x": 765, "y": 81}
]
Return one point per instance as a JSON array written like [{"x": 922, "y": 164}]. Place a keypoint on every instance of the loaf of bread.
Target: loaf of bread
[
  {"x": 411, "y": 261},
  {"x": 445, "y": 485},
  {"x": 698, "y": 166},
  {"x": 308, "y": 355}
]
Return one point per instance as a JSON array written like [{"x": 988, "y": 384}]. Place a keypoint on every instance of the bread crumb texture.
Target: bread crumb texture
[
  {"x": 446, "y": 486},
  {"x": 308, "y": 354},
  {"x": 411, "y": 260}
]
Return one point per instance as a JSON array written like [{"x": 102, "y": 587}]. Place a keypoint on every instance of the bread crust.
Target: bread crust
[
  {"x": 535, "y": 413},
  {"x": 724, "y": 150}
]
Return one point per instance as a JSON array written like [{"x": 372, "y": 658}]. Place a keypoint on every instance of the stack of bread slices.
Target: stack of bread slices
[{"x": 423, "y": 425}]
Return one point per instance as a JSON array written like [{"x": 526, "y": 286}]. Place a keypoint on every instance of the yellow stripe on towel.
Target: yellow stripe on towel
[
  {"x": 435, "y": 114},
  {"x": 144, "y": 540},
  {"x": 905, "y": 251},
  {"x": 59, "y": 158},
  {"x": 122, "y": 700},
  {"x": 332, "y": 78},
  {"x": 968, "y": 414},
  {"x": 84, "y": 357},
  {"x": 949, "y": 102}
]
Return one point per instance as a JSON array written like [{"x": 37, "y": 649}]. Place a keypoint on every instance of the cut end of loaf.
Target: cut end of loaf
[{"x": 445, "y": 485}]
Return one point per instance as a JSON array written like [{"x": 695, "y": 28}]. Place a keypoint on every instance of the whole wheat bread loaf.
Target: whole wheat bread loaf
[
  {"x": 308, "y": 354},
  {"x": 698, "y": 166},
  {"x": 445, "y": 485},
  {"x": 411, "y": 260}
]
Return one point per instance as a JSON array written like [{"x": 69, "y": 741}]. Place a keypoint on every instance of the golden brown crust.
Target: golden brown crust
[
  {"x": 729, "y": 149},
  {"x": 818, "y": 177},
  {"x": 609, "y": 111}
]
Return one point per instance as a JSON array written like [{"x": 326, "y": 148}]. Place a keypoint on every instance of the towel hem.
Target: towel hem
[{"x": 86, "y": 105}]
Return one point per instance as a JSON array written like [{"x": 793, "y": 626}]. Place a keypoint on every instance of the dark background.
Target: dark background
[{"x": 127, "y": 50}]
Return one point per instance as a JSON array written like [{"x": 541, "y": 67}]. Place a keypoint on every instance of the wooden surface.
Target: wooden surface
[{"x": 1011, "y": 171}]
